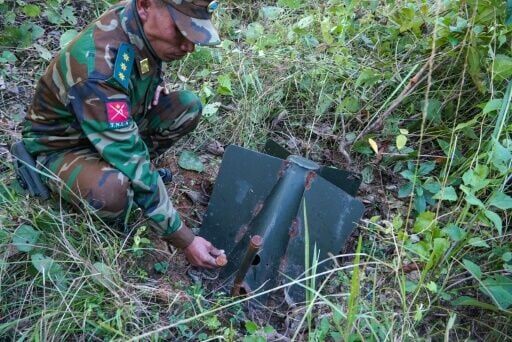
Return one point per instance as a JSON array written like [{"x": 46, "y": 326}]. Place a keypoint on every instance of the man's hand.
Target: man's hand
[
  {"x": 201, "y": 253},
  {"x": 158, "y": 92}
]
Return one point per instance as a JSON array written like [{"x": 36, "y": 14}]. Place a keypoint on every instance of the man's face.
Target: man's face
[{"x": 161, "y": 31}]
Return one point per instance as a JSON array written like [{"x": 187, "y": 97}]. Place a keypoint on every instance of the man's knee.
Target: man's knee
[
  {"x": 191, "y": 102},
  {"x": 179, "y": 110},
  {"x": 110, "y": 196}
]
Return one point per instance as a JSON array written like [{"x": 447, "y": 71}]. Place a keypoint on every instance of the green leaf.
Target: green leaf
[
  {"x": 270, "y": 12},
  {"x": 350, "y": 104},
  {"x": 432, "y": 186},
  {"x": 326, "y": 27},
  {"x": 501, "y": 120},
  {"x": 432, "y": 287},
  {"x": 492, "y": 106},
  {"x": 507, "y": 256},
  {"x": 433, "y": 110},
  {"x": 401, "y": 140},
  {"x": 213, "y": 323},
  {"x": 454, "y": 232},
  {"x": 305, "y": 22},
  {"x": 367, "y": 78},
  {"x": 422, "y": 249},
  {"x": 224, "y": 87},
  {"x": 161, "y": 267},
  {"x": 509, "y": 13},
  {"x": 251, "y": 327},
  {"x": 473, "y": 268},
  {"x": 426, "y": 167},
  {"x": 501, "y": 201},
  {"x": 468, "y": 301},
  {"x": 36, "y": 31},
  {"x": 463, "y": 125},
  {"x": 293, "y": 4},
  {"x": 67, "y": 37},
  {"x": 499, "y": 289},
  {"x": 410, "y": 286},
  {"x": 500, "y": 157},
  {"x": 405, "y": 190},
  {"x": 5, "y": 237},
  {"x": 408, "y": 174},
  {"x": 50, "y": 269},
  {"x": 41, "y": 263},
  {"x": 31, "y": 10},
  {"x": 104, "y": 277},
  {"x": 446, "y": 194},
  {"x": 68, "y": 15},
  {"x": 478, "y": 242},
  {"x": 495, "y": 219},
  {"x": 53, "y": 16},
  {"x": 25, "y": 238},
  {"x": 502, "y": 67},
  {"x": 210, "y": 110},
  {"x": 7, "y": 57},
  {"x": 470, "y": 198},
  {"x": 43, "y": 52},
  {"x": 440, "y": 246},
  {"x": 367, "y": 174},
  {"x": 268, "y": 329},
  {"x": 190, "y": 161},
  {"x": 10, "y": 17},
  {"x": 460, "y": 26},
  {"x": 476, "y": 178},
  {"x": 474, "y": 66},
  {"x": 425, "y": 222},
  {"x": 254, "y": 32}
]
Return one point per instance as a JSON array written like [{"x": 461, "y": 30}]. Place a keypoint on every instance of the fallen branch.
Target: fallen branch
[{"x": 409, "y": 88}]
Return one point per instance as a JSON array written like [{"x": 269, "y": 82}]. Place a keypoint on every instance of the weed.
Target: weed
[{"x": 415, "y": 95}]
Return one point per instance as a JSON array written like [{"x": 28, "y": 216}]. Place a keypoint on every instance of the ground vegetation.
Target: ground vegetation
[{"x": 414, "y": 95}]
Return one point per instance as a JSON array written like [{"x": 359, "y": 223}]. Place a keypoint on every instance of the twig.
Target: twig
[{"x": 411, "y": 86}]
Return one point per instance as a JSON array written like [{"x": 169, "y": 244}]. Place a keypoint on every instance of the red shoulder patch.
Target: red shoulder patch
[{"x": 118, "y": 113}]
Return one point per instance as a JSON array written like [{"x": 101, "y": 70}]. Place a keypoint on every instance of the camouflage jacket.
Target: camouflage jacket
[{"x": 93, "y": 92}]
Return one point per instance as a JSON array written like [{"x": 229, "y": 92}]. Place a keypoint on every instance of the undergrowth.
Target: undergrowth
[{"x": 413, "y": 95}]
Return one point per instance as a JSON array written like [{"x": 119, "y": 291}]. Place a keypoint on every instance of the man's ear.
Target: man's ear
[{"x": 142, "y": 9}]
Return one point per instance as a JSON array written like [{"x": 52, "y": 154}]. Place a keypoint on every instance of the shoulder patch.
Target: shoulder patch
[
  {"x": 118, "y": 113},
  {"x": 124, "y": 64}
]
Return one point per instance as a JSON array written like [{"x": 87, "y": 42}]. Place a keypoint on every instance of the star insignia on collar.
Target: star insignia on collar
[{"x": 124, "y": 64}]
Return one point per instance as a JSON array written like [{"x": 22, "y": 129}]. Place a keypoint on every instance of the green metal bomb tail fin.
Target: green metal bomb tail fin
[{"x": 260, "y": 195}]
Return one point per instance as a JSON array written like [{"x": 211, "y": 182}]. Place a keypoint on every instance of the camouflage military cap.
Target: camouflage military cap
[{"x": 193, "y": 18}]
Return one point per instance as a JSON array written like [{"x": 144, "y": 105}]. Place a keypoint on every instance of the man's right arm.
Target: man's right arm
[{"x": 104, "y": 115}]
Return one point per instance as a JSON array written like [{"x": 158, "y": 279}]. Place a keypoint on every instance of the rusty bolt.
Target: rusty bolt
[{"x": 221, "y": 260}]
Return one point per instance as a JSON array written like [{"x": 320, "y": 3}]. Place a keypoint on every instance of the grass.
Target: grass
[{"x": 320, "y": 78}]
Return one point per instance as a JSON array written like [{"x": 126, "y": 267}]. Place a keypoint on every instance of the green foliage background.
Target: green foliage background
[{"x": 415, "y": 95}]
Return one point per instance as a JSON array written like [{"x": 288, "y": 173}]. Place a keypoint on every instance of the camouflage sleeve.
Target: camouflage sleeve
[{"x": 103, "y": 113}]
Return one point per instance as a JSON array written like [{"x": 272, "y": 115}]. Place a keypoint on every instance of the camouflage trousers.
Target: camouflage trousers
[{"x": 83, "y": 175}]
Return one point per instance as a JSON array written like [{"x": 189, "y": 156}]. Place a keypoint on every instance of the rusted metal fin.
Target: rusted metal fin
[{"x": 262, "y": 196}]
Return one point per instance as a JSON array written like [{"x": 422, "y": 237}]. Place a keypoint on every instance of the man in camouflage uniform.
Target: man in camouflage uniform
[{"x": 100, "y": 110}]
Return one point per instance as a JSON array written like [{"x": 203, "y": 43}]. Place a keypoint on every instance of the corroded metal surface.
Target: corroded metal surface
[
  {"x": 250, "y": 259},
  {"x": 257, "y": 195}
]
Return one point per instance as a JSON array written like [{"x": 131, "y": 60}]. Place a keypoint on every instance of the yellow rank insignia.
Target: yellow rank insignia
[
  {"x": 144, "y": 66},
  {"x": 124, "y": 64}
]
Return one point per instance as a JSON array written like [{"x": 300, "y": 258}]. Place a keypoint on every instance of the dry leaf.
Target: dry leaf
[
  {"x": 373, "y": 145},
  {"x": 215, "y": 148}
]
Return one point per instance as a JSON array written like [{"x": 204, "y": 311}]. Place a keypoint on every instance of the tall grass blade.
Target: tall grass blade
[
  {"x": 505, "y": 109},
  {"x": 355, "y": 290}
]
